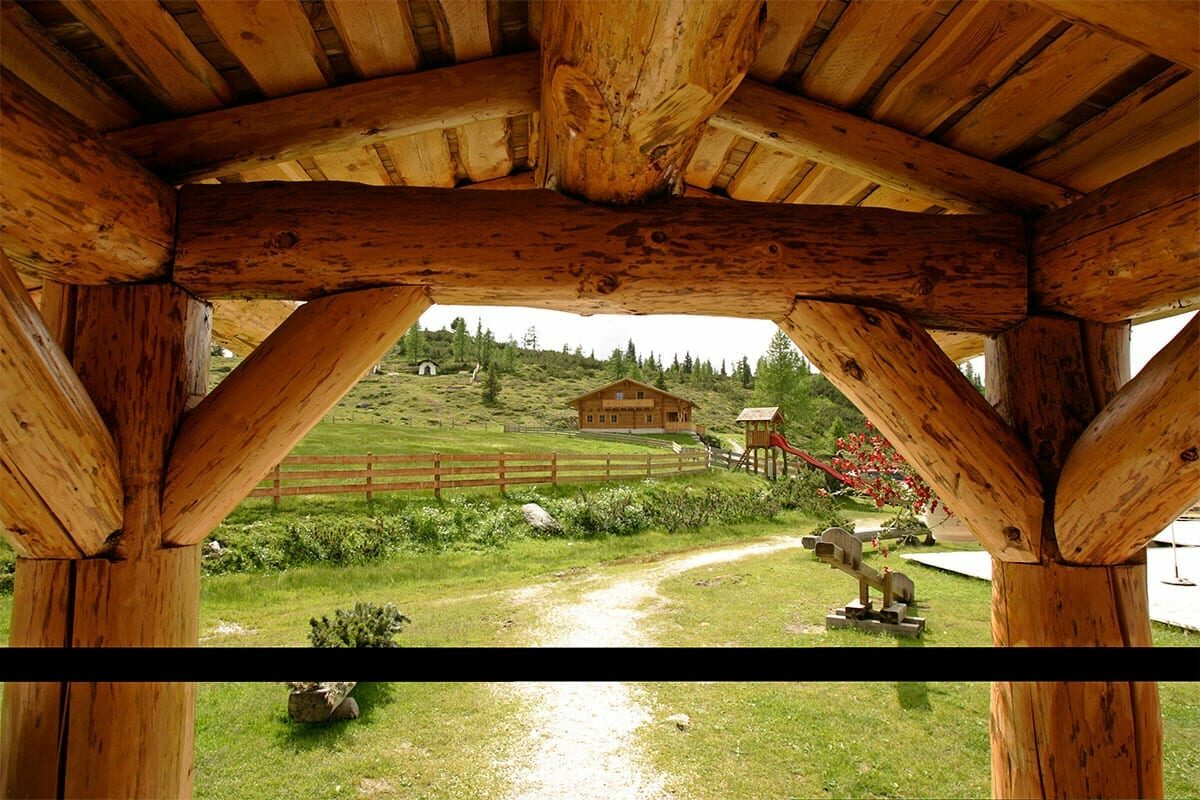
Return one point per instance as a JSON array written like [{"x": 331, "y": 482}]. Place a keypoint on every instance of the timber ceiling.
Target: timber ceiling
[{"x": 1012, "y": 83}]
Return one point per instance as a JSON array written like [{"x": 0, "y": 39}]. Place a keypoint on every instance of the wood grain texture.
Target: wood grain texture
[
  {"x": 1131, "y": 249},
  {"x": 887, "y": 197},
  {"x": 881, "y": 154},
  {"x": 360, "y": 165},
  {"x": 378, "y": 35},
  {"x": 867, "y": 38},
  {"x": 1062, "y": 76},
  {"x": 896, "y": 375},
  {"x": 765, "y": 175},
  {"x": 242, "y": 325},
  {"x": 825, "y": 186},
  {"x": 484, "y": 149},
  {"x": 423, "y": 159},
  {"x": 1167, "y": 28},
  {"x": 36, "y": 57},
  {"x": 150, "y": 42},
  {"x": 285, "y": 171},
  {"x": 468, "y": 30},
  {"x": 710, "y": 156},
  {"x": 273, "y": 41},
  {"x": 1150, "y": 123},
  {"x": 305, "y": 240},
  {"x": 57, "y": 454},
  {"x": 1137, "y": 466},
  {"x": 969, "y": 54},
  {"x": 335, "y": 119},
  {"x": 73, "y": 207},
  {"x": 628, "y": 86},
  {"x": 214, "y": 464},
  {"x": 959, "y": 346},
  {"x": 786, "y": 27}
]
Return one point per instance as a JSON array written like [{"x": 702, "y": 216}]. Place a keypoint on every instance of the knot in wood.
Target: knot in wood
[
  {"x": 773, "y": 249},
  {"x": 851, "y": 368},
  {"x": 925, "y": 285},
  {"x": 284, "y": 240},
  {"x": 658, "y": 237},
  {"x": 605, "y": 284},
  {"x": 1012, "y": 533},
  {"x": 1190, "y": 454}
]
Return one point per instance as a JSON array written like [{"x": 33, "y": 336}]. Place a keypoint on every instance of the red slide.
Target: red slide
[{"x": 777, "y": 440}]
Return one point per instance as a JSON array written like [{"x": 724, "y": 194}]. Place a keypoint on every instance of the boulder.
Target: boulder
[{"x": 539, "y": 519}]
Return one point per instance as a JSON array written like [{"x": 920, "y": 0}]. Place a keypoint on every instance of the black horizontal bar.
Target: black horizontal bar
[{"x": 405, "y": 664}]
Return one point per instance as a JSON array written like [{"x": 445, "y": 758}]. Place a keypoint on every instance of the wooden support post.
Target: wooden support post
[
  {"x": 370, "y": 461},
  {"x": 437, "y": 475},
  {"x": 1048, "y": 378},
  {"x": 140, "y": 351}
]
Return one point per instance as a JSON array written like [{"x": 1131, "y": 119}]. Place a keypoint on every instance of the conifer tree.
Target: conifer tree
[
  {"x": 491, "y": 386},
  {"x": 459, "y": 342}
]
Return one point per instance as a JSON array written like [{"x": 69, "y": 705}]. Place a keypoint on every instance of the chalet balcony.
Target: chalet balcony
[{"x": 618, "y": 405}]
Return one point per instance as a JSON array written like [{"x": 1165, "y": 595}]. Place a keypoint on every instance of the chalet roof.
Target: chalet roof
[
  {"x": 764, "y": 414},
  {"x": 645, "y": 386}
]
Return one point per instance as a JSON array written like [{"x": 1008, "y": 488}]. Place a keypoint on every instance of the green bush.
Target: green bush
[{"x": 365, "y": 625}]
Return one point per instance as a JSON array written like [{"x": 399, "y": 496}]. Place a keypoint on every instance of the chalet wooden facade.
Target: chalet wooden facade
[
  {"x": 629, "y": 406},
  {"x": 1014, "y": 178}
]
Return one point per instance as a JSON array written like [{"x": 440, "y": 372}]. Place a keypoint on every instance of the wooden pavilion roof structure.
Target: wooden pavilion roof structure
[{"x": 891, "y": 182}]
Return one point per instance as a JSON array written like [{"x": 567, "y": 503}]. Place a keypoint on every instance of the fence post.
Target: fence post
[
  {"x": 554, "y": 468},
  {"x": 437, "y": 475},
  {"x": 649, "y": 465},
  {"x": 501, "y": 473},
  {"x": 275, "y": 486},
  {"x": 679, "y": 464},
  {"x": 607, "y": 467},
  {"x": 370, "y": 461}
]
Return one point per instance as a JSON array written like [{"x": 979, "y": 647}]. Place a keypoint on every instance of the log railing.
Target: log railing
[{"x": 372, "y": 474}]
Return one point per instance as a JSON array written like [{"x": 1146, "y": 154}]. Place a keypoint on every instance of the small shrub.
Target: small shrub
[{"x": 365, "y": 625}]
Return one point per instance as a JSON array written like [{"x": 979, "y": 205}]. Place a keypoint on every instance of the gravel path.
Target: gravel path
[{"x": 582, "y": 745}]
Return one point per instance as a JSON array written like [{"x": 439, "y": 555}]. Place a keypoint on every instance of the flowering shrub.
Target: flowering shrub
[{"x": 874, "y": 468}]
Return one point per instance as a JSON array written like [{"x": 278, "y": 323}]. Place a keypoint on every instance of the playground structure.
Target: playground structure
[
  {"x": 762, "y": 433},
  {"x": 840, "y": 549}
]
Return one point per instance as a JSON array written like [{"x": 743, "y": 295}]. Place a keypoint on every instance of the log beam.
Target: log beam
[
  {"x": 1136, "y": 467},
  {"x": 141, "y": 351},
  {"x": 216, "y": 462},
  {"x": 538, "y": 248},
  {"x": 73, "y": 207},
  {"x": 628, "y": 86},
  {"x": 1128, "y": 250},
  {"x": 887, "y": 156},
  {"x": 242, "y": 325},
  {"x": 1167, "y": 29},
  {"x": 332, "y": 120},
  {"x": 1048, "y": 377},
  {"x": 896, "y": 375},
  {"x": 62, "y": 489}
]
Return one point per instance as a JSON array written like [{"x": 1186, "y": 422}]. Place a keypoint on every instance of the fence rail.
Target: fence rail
[
  {"x": 371, "y": 474},
  {"x": 607, "y": 436}
]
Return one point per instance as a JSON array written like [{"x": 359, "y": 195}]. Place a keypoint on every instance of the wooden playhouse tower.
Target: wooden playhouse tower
[
  {"x": 172, "y": 173},
  {"x": 760, "y": 425}
]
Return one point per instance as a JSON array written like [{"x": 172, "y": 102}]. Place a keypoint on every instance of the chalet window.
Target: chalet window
[
  {"x": 685, "y": 416},
  {"x": 642, "y": 396},
  {"x": 649, "y": 417},
  {"x": 613, "y": 418},
  {"x": 672, "y": 416},
  {"x": 620, "y": 395},
  {"x": 589, "y": 417}
]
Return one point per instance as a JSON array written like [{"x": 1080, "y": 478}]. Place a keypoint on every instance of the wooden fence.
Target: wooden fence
[
  {"x": 371, "y": 474},
  {"x": 641, "y": 440}
]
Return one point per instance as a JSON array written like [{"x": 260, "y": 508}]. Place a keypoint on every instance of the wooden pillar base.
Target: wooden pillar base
[{"x": 1073, "y": 739}]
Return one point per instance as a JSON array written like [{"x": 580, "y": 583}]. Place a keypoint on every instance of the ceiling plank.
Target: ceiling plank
[
  {"x": 150, "y": 42},
  {"x": 423, "y": 159},
  {"x": 242, "y": 325},
  {"x": 787, "y": 25},
  {"x": 881, "y": 154},
  {"x": 485, "y": 149},
  {"x": 286, "y": 171},
  {"x": 863, "y": 43},
  {"x": 887, "y": 197},
  {"x": 305, "y": 240},
  {"x": 824, "y": 185},
  {"x": 1062, "y": 76},
  {"x": 1150, "y": 123},
  {"x": 378, "y": 35},
  {"x": 765, "y": 175},
  {"x": 710, "y": 157},
  {"x": 467, "y": 29},
  {"x": 73, "y": 207},
  {"x": 1167, "y": 28},
  {"x": 628, "y": 86},
  {"x": 360, "y": 165},
  {"x": 337, "y": 118},
  {"x": 36, "y": 57}
]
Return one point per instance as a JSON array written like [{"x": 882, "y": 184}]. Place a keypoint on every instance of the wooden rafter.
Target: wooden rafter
[
  {"x": 628, "y": 86},
  {"x": 1137, "y": 466},
  {"x": 1128, "y": 250},
  {"x": 884, "y": 155},
  {"x": 1166, "y": 28},
  {"x": 305, "y": 240},
  {"x": 242, "y": 325},
  {"x": 896, "y": 375},
  {"x": 72, "y": 206},
  {"x": 214, "y": 463},
  {"x": 333, "y": 119},
  {"x": 62, "y": 493}
]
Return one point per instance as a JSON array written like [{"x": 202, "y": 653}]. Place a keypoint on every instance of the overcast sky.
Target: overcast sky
[{"x": 713, "y": 338}]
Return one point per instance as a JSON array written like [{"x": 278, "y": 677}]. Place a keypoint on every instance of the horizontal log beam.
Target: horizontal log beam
[
  {"x": 538, "y": 248},
  {"x": 62, "y": 493},
  {"x": 232, "y": 140},
  {"x": 73, "y": 207},
  {"x": 247, "y": 425},
  {"x": 1136, "y": 467},
  {"x": 1128, "y": 250},
  {"x": 1166, "y": 28},
  {"x": 896, "y": 375},
  {"x": 887, "y": 156}
]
